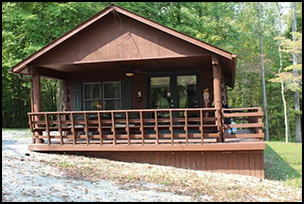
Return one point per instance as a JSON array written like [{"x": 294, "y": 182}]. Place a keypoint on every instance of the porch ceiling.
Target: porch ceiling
[{"x": 202, "y": 62}]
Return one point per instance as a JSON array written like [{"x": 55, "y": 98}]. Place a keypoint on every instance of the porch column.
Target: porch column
[
  {"x": 217, "y": 92},
  {"x": 36, "y": 100}
]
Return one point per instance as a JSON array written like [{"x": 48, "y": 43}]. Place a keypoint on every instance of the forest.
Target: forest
[{"x": 266, "y": 37}]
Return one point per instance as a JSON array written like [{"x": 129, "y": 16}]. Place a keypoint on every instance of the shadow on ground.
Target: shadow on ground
[{"x": 276, "y": 168}]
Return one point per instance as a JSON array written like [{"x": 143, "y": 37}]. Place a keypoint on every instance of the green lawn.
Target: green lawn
[
  {"x": 283, "y": 162},
  {"x": 17, "y": 129}
]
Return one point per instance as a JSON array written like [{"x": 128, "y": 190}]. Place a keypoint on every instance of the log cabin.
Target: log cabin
[{"x": 138, "y": 91}]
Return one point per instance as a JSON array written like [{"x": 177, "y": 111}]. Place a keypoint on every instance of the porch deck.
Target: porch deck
[{"x": 186, "y": 138}]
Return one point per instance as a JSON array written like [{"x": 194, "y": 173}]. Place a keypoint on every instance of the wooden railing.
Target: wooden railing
[
  {"x": 147, "y": 126},
  {"x": 249, "y": 123}
]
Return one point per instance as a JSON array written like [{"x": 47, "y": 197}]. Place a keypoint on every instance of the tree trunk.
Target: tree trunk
[
  {"x": 287, "y": 136},
  {"x": 284, "y": 101},
  {"x": 295, "y": 73},
  {"x": 263, "y": 76}
]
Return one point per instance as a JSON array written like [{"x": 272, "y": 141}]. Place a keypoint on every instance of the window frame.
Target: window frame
[
  {"x": 109, "y": 99},
  {"x": 90, "y": 100}
]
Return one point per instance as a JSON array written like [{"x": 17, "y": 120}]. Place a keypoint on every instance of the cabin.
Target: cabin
[{"x": 138, "y": 91}]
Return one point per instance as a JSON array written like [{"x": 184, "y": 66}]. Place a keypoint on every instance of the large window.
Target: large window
[
  {"x": 112, "y": 95},
  {"x": 174, "y": 91},
  {"x": 92, "y": 96}
]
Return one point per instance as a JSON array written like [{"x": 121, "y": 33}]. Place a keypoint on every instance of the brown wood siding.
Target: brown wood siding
[
  {"x": 123, "y": 39},
  {"x": 232, "y": 162},
  {"x": 138, "y": 83}
]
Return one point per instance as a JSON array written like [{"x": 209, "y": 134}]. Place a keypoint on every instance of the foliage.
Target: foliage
[
  {"x": 29, "y": 26},
  {"x": 291, "y": 47}
]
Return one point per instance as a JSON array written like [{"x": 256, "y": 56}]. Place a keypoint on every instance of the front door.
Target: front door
[{"x": 173, "y": 91}]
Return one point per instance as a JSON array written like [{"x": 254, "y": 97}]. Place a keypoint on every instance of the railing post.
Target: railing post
[
  {"x": 60, "y": 129},
  {"x": 113, "y": 128},
  {"x": 171, "y": 128},
  {"x": 219, "y": 125},
  {"x": 260, "y": 121},
  {"x": 156, "y": 127},
  {"x": 186, "y": 126},
  {"x": 86, "y": 127},
  {"x": 47, "y": 128},
  {"x": 128, "y": 127},
  {"x": 99, "y": 127},
  {"x": 223, "y": 124},
  {"x": 73, "y": 128},
  {"x": 142, "y": 127},
  {"x": 202, "y": 126}
]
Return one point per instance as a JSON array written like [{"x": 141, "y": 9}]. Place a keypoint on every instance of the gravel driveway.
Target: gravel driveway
[
  {"x": 26, "y": 178},
  {"x": 39, "y": 177}
]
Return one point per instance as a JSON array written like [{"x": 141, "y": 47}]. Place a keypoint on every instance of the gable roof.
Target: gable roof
[{"x": 113, "y": 8}]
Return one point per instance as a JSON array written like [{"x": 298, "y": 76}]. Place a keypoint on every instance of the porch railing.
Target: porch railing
[
  {"x": 245, "y": 123},
  {"x": 147, "y": 126}
]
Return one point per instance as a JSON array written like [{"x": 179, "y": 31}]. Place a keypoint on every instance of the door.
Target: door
[{"x": 174, "y": 91}]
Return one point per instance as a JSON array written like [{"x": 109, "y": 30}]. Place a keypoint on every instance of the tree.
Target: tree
[
  {"x": 280, "y": 24},
  {"x": 263, "y": 73},
  {"x": 295, "y": 73},
  {"x": 293, "y": 82}
]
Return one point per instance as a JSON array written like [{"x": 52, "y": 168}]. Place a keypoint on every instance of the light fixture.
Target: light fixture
[{"x": 129, "y": 72}]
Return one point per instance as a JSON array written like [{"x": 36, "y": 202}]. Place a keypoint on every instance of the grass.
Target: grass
[
  {"x": 63, "y": 164},
  {"x": 16, "y": 129},
  {"x": 283, "y": 162}
]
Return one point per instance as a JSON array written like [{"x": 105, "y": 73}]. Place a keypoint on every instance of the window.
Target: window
[
  {"x": 92, "y": 96},
  {"x": 108, "y": 99},
  {"x": 112, "y": 95}
]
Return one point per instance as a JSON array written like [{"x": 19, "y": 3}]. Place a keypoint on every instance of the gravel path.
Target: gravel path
[
  {"x": 25, "y": 178},
  {"x": 38, "y": 177}
]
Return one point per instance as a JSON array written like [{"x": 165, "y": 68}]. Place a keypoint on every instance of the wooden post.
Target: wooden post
[
  {"x": 186, "y": 126},
  {"x": 217, "y": 92},
  {"x": 156, "y": 127},
  {"x": 47, "y": 127},
  {"x": 86, "y": 127},
  {"x": 36, "y": 100},
  {"x": 113, "y": 127},
  {"x": 202, "y": 126},
  {"x": 73, "y": 128},
  {"x": 60, "y": 128},
  {"x": 128, "y": 127},
  {"x": 142, "y": 127},
  {"x": 171, "y": 127},
  {"x": 100, "y": 127}
]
